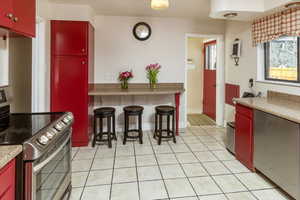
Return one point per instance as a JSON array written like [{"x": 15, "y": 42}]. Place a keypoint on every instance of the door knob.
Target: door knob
[
  {"x": 83, "y": 50},
  {"x": 16, "y": 19},
  {"x": 9, "y": 15},
  {"x": 83, "y": 62}
]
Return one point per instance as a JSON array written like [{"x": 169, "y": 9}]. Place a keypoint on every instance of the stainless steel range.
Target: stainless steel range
[{"x": 44, "y": 168}]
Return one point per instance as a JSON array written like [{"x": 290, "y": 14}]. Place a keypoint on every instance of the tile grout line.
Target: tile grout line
[
  {"x": 88, "y": 172},
  {"x": 180, "y": 164},
  {"x": 113, "y": 169},
  {"x": 137, "y": 174},
  {"x": 206, "y": 169},
  {"x": 158, "y": 165}
]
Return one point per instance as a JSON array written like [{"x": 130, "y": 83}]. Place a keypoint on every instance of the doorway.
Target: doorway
[{"x": 204, "y": 80}]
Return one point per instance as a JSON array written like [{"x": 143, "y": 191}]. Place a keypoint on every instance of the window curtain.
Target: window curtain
[{"x": 284, "y": 23}]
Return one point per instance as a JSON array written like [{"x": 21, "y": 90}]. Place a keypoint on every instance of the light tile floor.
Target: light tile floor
[{"x": 198, "y": 167}]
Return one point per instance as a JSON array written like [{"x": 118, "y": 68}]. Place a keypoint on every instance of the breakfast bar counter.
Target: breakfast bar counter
[{"x": 114, "y": 89}]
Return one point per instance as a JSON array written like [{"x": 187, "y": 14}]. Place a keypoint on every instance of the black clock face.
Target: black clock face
[{"x": 142, "y": 31}]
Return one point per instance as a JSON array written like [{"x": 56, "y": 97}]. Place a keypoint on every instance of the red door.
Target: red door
[
  {"x": 244, "y": 136},
  {"x": 69, "y": 38},
  {"x": 209, "y": 88},
  {"x": 69, "y": 89},
  {"x": 24, "y": 17},
  {"x": 6, "y": 13}
]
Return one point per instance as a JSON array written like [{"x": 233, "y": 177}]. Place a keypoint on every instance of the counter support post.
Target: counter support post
[{"x": 177, "y": 105}]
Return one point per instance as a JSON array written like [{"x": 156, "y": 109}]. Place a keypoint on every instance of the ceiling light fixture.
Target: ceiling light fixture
[
  {"x": 159, "y": 4},
  {"x": 293, "y": 5},
  {"x": 230, "y": 15}
]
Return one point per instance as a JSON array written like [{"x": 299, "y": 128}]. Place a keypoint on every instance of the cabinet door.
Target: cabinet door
[
  {"x": 69, "y": 92},
  {"x": 244, "y": 140},
  {"x": 24, "y": 17},
  {"x": 7, "y": 181},
  {"x": 6, "y": 13},
  {"x": 69, "y": 38}
]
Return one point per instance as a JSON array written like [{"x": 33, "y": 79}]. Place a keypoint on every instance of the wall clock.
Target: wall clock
[{"x": 142, "y": 31}]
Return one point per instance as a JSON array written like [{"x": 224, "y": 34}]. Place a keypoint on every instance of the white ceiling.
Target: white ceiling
[{"x": 197, "y": 9}]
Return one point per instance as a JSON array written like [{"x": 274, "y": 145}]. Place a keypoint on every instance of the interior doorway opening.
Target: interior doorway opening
[{"x": 202, "y": 78}]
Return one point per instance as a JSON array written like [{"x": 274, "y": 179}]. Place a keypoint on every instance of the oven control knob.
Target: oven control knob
[
  {"x": 59, "y": 126},
  {"x": 69, "y": 117},
  {"x": 43, "y": 140},
  {"x": 66, "y": 120},
  {"x": 49, "y": 135}
]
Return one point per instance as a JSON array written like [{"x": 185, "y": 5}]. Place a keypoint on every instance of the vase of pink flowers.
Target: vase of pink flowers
[
  {"x": 152, "y": 73},
  {"x": 124, "y": 77}
]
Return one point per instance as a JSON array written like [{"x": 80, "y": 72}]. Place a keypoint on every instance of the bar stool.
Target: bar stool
[
  {"x": 168, "y": 111},
  {"x": 133, "y": 111},
  {"x": 109, "y": 114}
]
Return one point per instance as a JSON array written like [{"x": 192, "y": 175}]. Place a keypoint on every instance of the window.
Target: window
[
  {"x": 282, "y": 59},
  {"x": 210, "y": 55}
]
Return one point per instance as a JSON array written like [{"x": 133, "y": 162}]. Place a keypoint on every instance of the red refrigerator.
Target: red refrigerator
[{"x": 72, "y": 64}]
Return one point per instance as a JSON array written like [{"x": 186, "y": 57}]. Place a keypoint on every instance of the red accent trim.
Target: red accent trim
[{"x": 177, "y": 106}]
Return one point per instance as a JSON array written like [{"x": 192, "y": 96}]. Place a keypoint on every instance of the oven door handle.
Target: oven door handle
[{"x": 38, "y": 167}]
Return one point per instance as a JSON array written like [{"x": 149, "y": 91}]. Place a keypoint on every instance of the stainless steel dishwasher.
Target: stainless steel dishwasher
[{"x": 276, "y": 151}]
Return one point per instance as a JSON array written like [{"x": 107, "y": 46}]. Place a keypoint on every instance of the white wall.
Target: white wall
[
  {"x": 248, "y": 65},
  {"x": 47, "y": 11},
  {"x": 117, "y": 50}
]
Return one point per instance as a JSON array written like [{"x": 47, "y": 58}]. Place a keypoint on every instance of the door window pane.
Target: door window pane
[{"x": 211, "y": 56}]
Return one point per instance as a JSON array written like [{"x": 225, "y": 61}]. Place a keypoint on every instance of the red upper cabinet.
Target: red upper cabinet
[
  {"x": 18, "y": 16},
  {"x": 244, "y": 135},
  {"x": 6, "y": 13},
  {"x": 23, "y": 20},
  {"x": 69, "y": 38}
]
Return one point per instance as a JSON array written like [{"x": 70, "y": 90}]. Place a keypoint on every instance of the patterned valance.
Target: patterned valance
[{"x": 284, "y": 23}]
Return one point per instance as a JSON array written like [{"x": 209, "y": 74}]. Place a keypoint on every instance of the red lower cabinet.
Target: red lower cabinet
[
  {"x": 7, "y": 181},
  {"x": 244, "y": 135}
]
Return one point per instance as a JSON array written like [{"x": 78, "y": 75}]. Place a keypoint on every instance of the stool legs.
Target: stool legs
[
  {"x": 159, "y": 127},
  {"x": 109, "y": 132},
  {"x": 126, "y": 120},
  {"x": 160, "y": 130},
  {"x": 127, "y": 130},
  {"x": 155, "y": 129},
  {"x": 114, "y": 127},
  {"x": 168, "y": 125},
  {"x": 173, "y": 128},
  {"x": 140, "y": 129},
  {"x": 95, "y": 132}
]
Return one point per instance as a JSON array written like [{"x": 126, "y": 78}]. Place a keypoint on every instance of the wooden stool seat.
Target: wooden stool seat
[
  {"x": 168, "y": 111},
  {"x": 133, "y": 111},
  {"x": 109, "y": 114}
]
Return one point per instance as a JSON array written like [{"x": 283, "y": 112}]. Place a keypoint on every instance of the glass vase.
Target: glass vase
[
  {"x": 124, "y": 84},
  {"x": 152, "y": 84}
]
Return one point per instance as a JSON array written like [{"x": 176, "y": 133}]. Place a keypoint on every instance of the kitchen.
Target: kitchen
[{"x": 62, "y": 63}]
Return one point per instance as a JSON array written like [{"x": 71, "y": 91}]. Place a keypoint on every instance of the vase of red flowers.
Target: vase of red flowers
[
  {"x": 152, "y": 73},
  {"x": 124, "y": 77}
]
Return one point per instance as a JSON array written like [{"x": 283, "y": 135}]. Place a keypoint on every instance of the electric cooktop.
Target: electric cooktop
[{"x": 21, "y": 127}]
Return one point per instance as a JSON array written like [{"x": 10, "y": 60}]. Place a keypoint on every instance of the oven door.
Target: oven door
[{"x": 51, "y": 174}]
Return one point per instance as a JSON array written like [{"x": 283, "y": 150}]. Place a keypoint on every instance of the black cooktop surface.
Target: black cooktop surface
[{"x": 22, "y": 127}]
